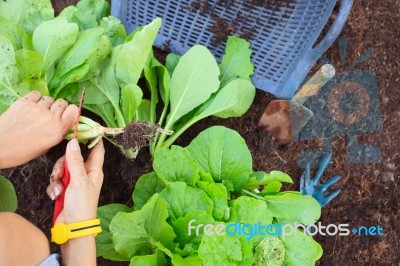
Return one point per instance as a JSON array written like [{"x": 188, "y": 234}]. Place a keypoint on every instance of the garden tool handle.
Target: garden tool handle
[
  {"x": 59, "y": 206},
  {"x": 311, "y": 87}
]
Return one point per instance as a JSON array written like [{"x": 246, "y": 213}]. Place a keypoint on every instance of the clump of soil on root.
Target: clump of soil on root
[{"x": 137, "y": 134}]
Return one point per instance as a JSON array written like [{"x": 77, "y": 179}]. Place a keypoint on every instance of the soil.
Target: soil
[{"x": 370, "y": 192}]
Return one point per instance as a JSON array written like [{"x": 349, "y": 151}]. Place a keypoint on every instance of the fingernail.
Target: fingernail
[
  {"x": 74, "y": 145},
  {"x": 56, "y": 191},
  {"x": 52, "y": 196}
]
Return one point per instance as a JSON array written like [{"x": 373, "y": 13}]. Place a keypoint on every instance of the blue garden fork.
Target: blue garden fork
[{"x": 316, "y": 189}]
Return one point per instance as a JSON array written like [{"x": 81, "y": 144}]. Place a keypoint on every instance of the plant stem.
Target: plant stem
[
  {"x": 160, "y": 122},
  {"x": 180, "y": 131},
  {"x": 253, "y": 195}
]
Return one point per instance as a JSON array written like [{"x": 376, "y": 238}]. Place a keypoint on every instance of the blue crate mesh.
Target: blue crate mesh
[{"x": 283, "y": 36}]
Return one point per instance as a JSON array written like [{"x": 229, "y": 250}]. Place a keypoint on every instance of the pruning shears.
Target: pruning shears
[{"x": 59, "y": 205}]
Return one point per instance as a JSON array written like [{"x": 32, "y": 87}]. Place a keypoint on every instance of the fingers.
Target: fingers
[
  {"x": 45, "y": 102},
  {"x": 58, "y": 107},
  {"x": 58, "y": 169},
  {"x": 75, "y": 162},
  {"x": 94, "y": 163},
  {"x": 69, "y": 116},
  {"x": 33, "y": 96},
  {"x": 55, "y": 187}
]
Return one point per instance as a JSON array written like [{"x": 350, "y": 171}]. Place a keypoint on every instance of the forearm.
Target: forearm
[{"x": 79, "y": 251}]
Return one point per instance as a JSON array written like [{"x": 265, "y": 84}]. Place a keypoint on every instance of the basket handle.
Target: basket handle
[{"x": 333, "y": 32}]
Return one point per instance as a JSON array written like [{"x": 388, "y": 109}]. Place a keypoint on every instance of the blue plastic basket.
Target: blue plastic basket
[{"x": 284, "y": 44}]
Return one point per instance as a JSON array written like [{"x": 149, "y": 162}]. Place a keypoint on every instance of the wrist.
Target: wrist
[{"x": 79, "y": 251}]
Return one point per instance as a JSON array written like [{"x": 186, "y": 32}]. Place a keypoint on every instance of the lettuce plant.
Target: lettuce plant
[
  {"x": 212, "y": 182},
  {"x": 8, "y": 197},
  {"x": 84, "y": 48}
]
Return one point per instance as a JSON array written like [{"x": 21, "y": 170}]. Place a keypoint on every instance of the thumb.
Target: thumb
[{"x": 75, "y": 162}]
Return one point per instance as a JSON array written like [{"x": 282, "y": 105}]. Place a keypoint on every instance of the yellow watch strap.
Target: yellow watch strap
[{"x": 61, "y": 232}]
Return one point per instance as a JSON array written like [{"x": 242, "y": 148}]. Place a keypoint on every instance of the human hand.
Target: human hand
[
  {"x": 82, "y": 194},
  {"x": 31, "y": 126}
]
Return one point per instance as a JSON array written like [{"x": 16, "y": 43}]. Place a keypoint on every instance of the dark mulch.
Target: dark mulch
[{"x": 370, "y": 192}]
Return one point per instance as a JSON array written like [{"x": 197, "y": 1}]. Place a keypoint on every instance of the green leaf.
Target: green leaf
[
  {"x": 11, "y": 31},
  {"x": 30, "y": 64},
  {"x": 10, "y": 90},
  {"x": 135, "y": 233},
  {"x": 157, "y": 258},
  {"x": 290, "y": 208},
  {"x": 102, "y": 51},
  {"x": 8, "y": 197},
  {"x": 186, "y": 236},
  {"x": 226, "y": 250},
  {"x": 176, "y": 164},
  {"x": 236, "y": 62},
  {"x": 223, "y": 153},
  {"x": 114, "y": 30},
  {"x": 104, "y": 242},
  {"x": 38, "y": 11},
  {"x": 53, "y": 38},
  {"x": 143, "y": 113},
  {"x": 172, "y": 61},
  {"x": 14, "y": 10},
  {"x": 131, "y": 97},
  {"x": 301, "y": 249},
  {"x": 147, "y": 185},
  {"x": 105, "y": 111},
  {"x": 272, "y": 187},
  {"x": 233, "y": 100},
  {"x": 74, "y": 75},
  {"x": 218, "y": 194},
  {"x": 164, "y": 80},
  {"x": 261, "y": 178},
  {"x": 90, "y": 12},
  {"x": 181, "y": 199},
  {"x": 150, "y": 73},
  {"x": 177, "y": 260},
  {"x": 133, "y": 54},
  {"x": 248, "y": 210},
  {"x": 270, "y": 251},
  {"x": 194, "y": 80},
  {"x": 84, "y": 47}
]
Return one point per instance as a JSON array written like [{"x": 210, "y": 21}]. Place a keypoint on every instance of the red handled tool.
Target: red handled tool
[{"x": 59, "y": 206}]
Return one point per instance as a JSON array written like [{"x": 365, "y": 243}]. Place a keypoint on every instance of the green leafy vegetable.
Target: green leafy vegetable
[
  {"x": 8, "y": 197},
  {"x": 147, "y": 185},
  {"x": 291, "y": 207},
  {"x": 181, "y": 199},
  {"x": 301, "y": 249},
  {"x": 135, "y": 233},
  {"x": 176, "y": 164},
  {"x": 270, "y": 251},
  {"x": 104, "y": 243},
  {"x": 226, "y": 250},
  {"x": 231, "y": 161},
  {"x": 53, "y": 38},
  {"x": 198, "y": 222}
]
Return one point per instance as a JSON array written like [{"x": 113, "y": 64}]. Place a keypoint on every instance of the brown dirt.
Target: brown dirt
[
  {"x": 137, "y": 135},
  {"x": 370, "y": 192}
]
